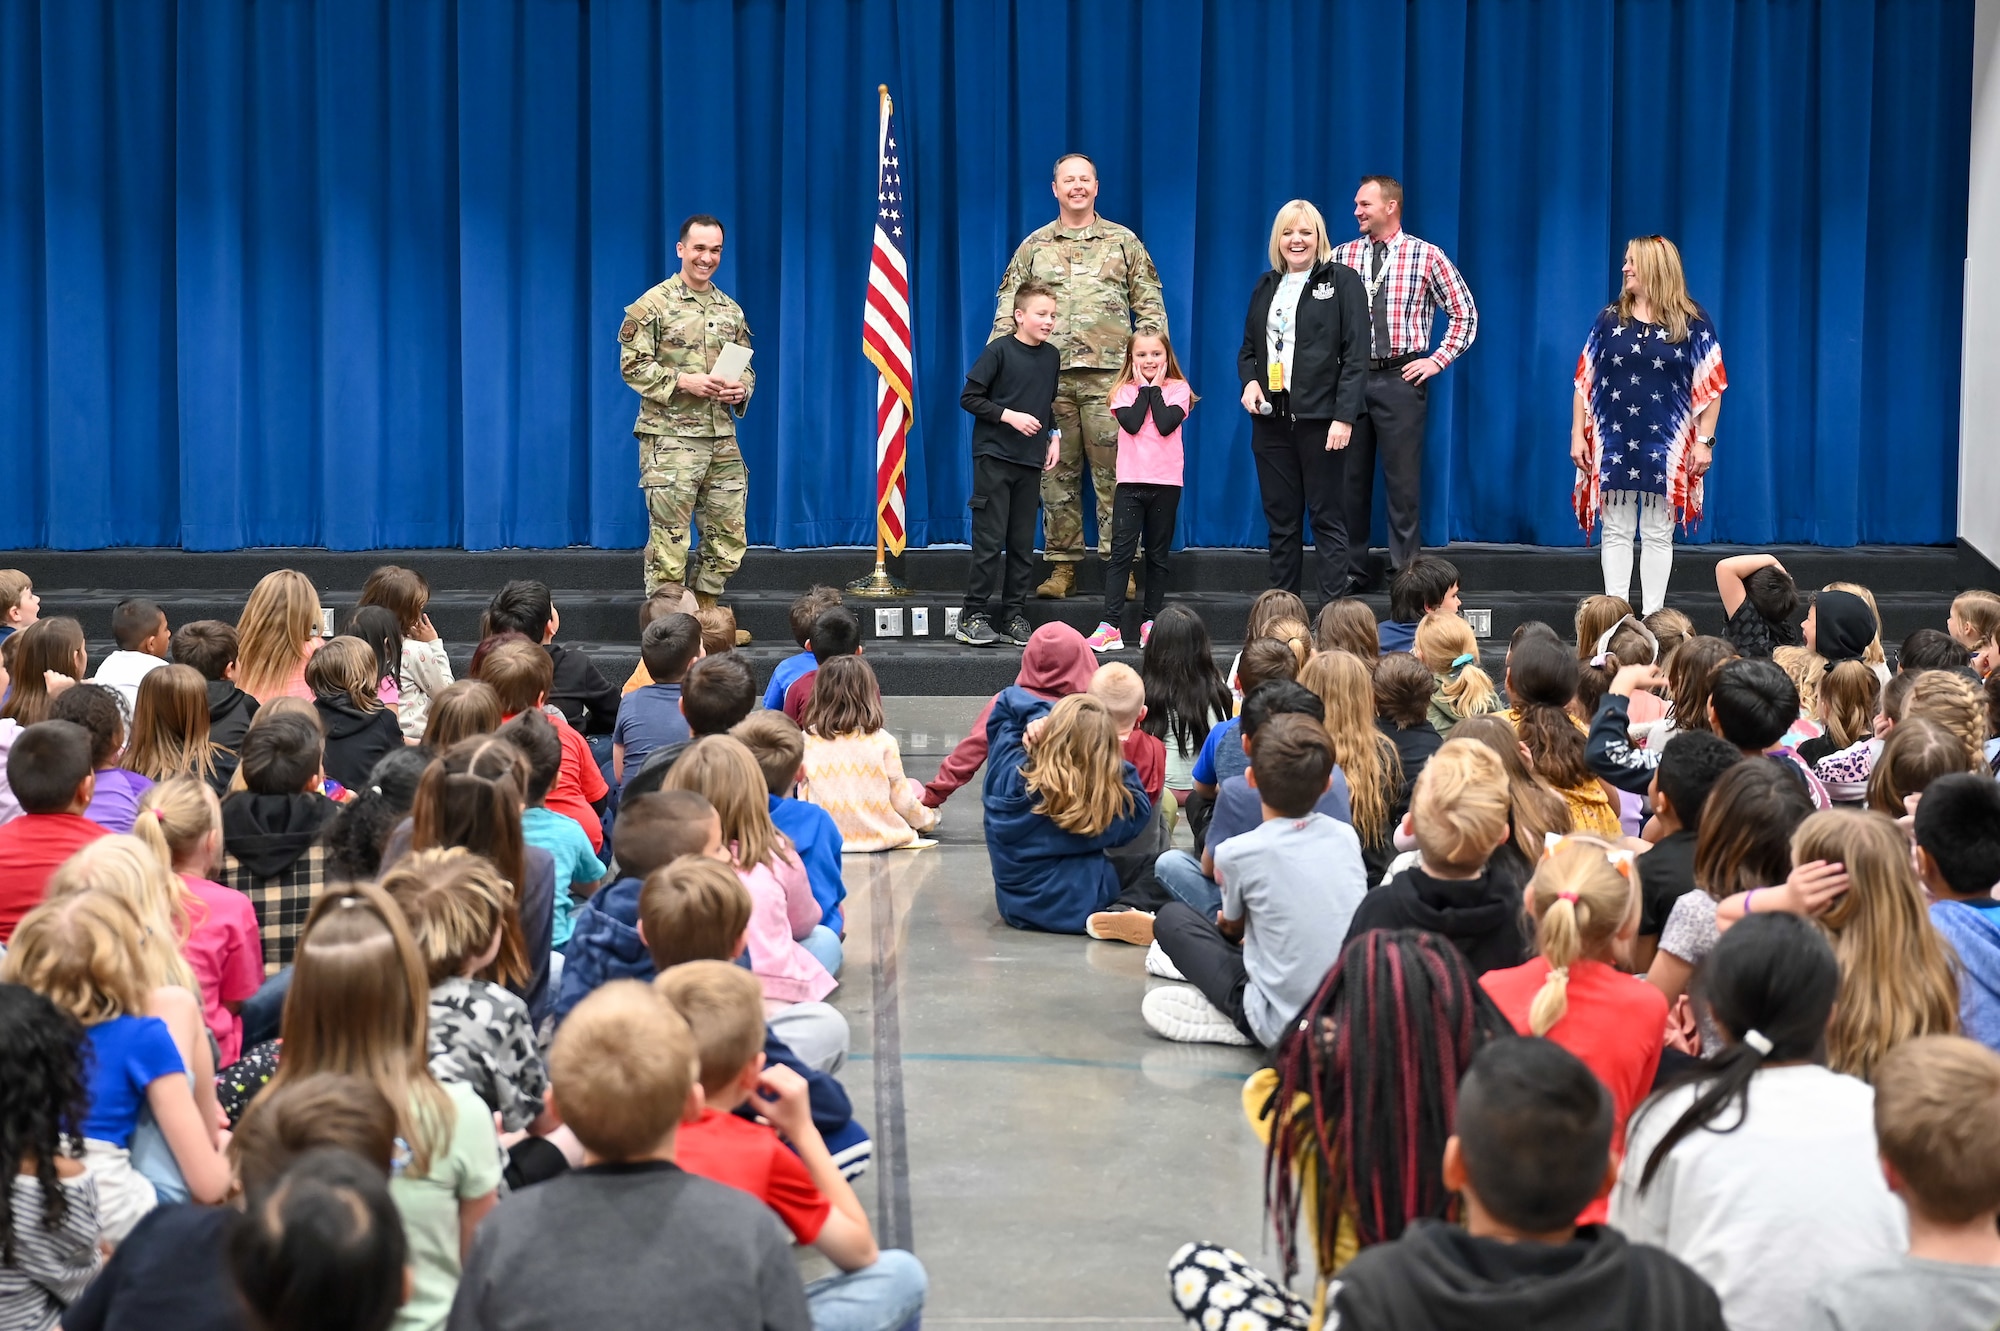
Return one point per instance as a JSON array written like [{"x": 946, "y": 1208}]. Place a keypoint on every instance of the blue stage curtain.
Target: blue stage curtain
[{"x": 350, "y": 272}]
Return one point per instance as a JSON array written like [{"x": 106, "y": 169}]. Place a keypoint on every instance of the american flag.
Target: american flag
[{"x": 885, "y": 333}]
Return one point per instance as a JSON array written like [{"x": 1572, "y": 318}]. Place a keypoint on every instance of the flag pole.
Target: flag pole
[{"x": 880, "y": 585}]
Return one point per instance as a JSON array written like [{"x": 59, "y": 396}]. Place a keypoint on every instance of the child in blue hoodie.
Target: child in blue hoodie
[
  {"x": 1958, "y": 854},
  {"x": 775, "y": 741},
  {"x": 1058, "y": 794}
]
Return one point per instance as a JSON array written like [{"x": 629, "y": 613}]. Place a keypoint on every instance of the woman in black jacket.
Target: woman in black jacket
[{"x": 1305, "y": 350}]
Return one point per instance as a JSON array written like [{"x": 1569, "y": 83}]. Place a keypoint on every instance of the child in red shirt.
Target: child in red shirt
[
  {"x": 1584, "y": 902},
  {"x": 522, "y": 675},
  {"x": 1121, "y": 690},
  {"x": 49, "y": 770},
  {"x": 724, "y": 1007}
]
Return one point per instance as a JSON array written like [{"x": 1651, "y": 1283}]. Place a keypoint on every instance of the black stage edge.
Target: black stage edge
[{"x": 598, "y": 593}]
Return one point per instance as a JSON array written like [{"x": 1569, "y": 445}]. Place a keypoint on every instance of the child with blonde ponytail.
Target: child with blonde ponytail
[
  {"x": 1585, "y": 906},
  {"x": 1445, "y": 643},
  {"x": 180, "y": 820}
]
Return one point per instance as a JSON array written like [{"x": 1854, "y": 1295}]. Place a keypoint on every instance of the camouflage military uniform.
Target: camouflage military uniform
[
  {"x": 1105, "y": 284},
  {"x": 689, "y": 465}
]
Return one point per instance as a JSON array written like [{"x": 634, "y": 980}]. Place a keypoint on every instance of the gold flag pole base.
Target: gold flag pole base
[{"x": 878, "y": 586}]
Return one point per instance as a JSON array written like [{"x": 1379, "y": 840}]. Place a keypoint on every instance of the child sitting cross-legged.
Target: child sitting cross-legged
[
  {"x": 521, "y": 674},
  {"x": 578, "y": 870},
  {"x": 802, "y": 1185},
  {"x": 1937, "y": 1108},
  {"x": 1123, "y": 692},
  {"x": 779, "y": 747},
  {"x": 853, "y": 765},
  {"x": 1289, "y": 889},
  {"x": 632, "y": 1238},
  {"x": 650, "y": 717},
  {"x": 836, "y": 633},
  {"x": 805, "y": 612}
]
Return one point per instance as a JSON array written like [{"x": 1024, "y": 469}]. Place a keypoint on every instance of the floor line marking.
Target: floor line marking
[
  {"x": 1043, "y": 1060},
  {"x": 892, "y": 1147}
]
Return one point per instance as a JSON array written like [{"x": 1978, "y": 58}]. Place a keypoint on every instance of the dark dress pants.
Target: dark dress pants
[
  {"x": 1006, "y": 498},
  {"x": 1295, "y": 474},
  {"x": 1392, "y": 425},
  {"x": 1210, "y": 962}
]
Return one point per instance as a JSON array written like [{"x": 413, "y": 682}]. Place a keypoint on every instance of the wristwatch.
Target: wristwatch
[{"x": 1707, "y": 439}]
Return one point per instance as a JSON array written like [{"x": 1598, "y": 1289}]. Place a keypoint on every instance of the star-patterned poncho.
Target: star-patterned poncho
[{"x": 1642, "y": 395}]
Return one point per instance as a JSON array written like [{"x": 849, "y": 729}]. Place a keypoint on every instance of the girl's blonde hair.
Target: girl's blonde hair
[
  {"x": 1127, "y": 373},
  {"x": 722, "y": 769},
  {"x": 1658, "y": 264},
  {"x": 1538, "y": 807},
  {"x": 1670, "y": 629},
  {"x": 1363, "y": 753},
  {"x": 1848, "y": 697},
  {"x": 1805, "y": 668},
  {"x": 1580, "y": 900},
  {"x": 281, "y": 616},
  {"x": 1443, "y": 641},
  {"x": 1348, "y": 625},
  {"x": 1896, "y": 978},
  {"x": 1595, "y": 614},
  {"x": 1292, "y": 633},
  {"x": 1980, "y": 609},
  {"x": 1077, "y": 767},
  {"x": 127, "y": 868},
  {"x": 467, "y": 707},
  {"x": 1460, "y": 806},
  {"x": 170, "y": 726},
  {"x": 1298, "y": 209},
  {"x": 1955, "y": 703},
  {"x": 1272, "y": 605},
  {"x": 175, "y": 818},
  {"x": 359, "y": 1006},
  {"x": 1874, "y": 654},
  {"x": 344, "y": 669},
  {"x": 455, "y": 902},
  {"x": 85, "y": 953}
]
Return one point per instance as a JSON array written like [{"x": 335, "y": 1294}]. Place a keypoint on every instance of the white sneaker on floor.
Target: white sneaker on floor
[
  {"x": 1160, "y": 964},
  {"x": 1180, "y": 1012}
]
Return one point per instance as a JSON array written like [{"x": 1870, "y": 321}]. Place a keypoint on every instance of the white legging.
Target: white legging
[{"x": 1627, "y": 514}]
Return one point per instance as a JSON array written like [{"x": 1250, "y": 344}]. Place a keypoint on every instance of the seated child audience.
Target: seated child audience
[
  {"x": 665, "y": 600},
  {"x": 1460, "y": 688},
  {"x": 1222, "y": 755},
  {"x": 323, "y": 1246},
  {"x": 1055, "y": 663},
  {"x": 1752, "y": 704},
  {"x": 1845, "y": 774},
  {"x": 1289, "y": 889},
  {"x": 170, "y": 730},
  {"x": 1973, "y": 622},
  {"x": 1585, "y": 905},
  {"x": 1536, "y": 809},
  {"x": 49, "y": 658},
  {"x": 802, "y": 1185},
  {"x": 853, "y": 765},
  {"x": 1596, "y": 616},
  {"x": 1059, "y": 793},
  {"x": 18, "y": 603},
  {"x": 632, "y": 1238},
  {"x": 1455, "y": 889},
  {"x": 1760, "y": 599},
  {"x": 780, "y": 750},
  {"x": 466, "y": 708},
  {"x": 1690, "y": 765},
  {"x": 1532, "y": 1147},
  {"x": 1123, "y": 692},
  {"x": 275, "y": 635},
  {"x": 114, "y": 798},
  {"x": 360, "y": 728},
  {"x": 271, "y": 844},
  {"x": 521, "y": 678},
  {"x": 1930, "y": 649},
  {"x": 1424, "y": 585},
  {"x": 1541, "y": 681},
  {"x": 1950, "y": 698},
  {"x": 1937, "y": 1108},
  {"x": 1365, "y": 755},
  {"x": 209, "y": 647},
  {"x": 1348, "y": 626},
  {"x": 1760, "y": 1171},
  {"x": 718, "y": 629},
  {"x": 49, "y": 770},
  {"x": 139, "y": 627},
  {"x": 578, "y": 870},
  {"x": 837, "y": 632},
  {"x": 805, "y": 612},
  {"x": 1358, "y": 1073},
  {"x": 1185, "y": 694},
  {"x": 719, "y": 691},
  {"x": 1272, "y": 606},
  {"x": 1404, "y": 688},
  {"x": 383, "y": 633},
  {"x": 1958, "y": 854},
  {"x": 650, "y": 717},
  {"x": 587, "y": 700},
  {"x": 1917, "y": 753},
  {"x": 359, "y": 834},
  {"x": 423, "y": 669},
  {"x": 49, "y": 1228}
]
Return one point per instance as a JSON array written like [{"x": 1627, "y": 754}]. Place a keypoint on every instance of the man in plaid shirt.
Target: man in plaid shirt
[{"x": 1407, "y": 279}]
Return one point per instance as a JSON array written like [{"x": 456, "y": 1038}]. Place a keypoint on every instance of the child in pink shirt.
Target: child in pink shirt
[{"x": 1150, "y": 399}]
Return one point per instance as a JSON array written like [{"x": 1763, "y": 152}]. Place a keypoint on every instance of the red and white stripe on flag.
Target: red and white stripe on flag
[{"x": 885, "y": 333}]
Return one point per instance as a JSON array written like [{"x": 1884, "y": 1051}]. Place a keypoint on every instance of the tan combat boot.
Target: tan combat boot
[
  {"x": 706, "y": 601},
  {"x": 1062, "y": 581}
]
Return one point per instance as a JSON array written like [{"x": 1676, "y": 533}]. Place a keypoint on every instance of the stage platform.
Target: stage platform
[{"x": 597, "y": 593}]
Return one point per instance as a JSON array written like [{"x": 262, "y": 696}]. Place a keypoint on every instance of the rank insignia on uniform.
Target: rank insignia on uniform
[
  {"x": 628, "y": 330},
  {"x": 1324, "y": 291}
]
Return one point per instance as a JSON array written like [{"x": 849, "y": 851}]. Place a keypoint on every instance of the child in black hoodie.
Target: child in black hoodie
[
  {"x": 1532, "y": 1148},
  {"x": 209, "y": 645},
  {"x": 1459, "y": 813},
  {"x": 271, "y": 847}
]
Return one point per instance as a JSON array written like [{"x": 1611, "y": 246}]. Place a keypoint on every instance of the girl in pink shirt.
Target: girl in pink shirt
[{"x": 1150, "y": 399}]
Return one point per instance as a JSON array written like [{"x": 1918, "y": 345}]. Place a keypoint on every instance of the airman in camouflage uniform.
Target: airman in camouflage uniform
[
  {"x": 1105, "y": 285},
  {"x": 689, "y": 464}
]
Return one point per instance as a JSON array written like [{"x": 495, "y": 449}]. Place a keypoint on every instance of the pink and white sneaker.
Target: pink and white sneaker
[
  {"x": 1145, "y": 634},
  {"x": 1106, "y": 639}
]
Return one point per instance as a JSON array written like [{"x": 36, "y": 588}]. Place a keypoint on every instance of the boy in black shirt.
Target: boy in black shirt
[
  {"x": 1690, "y": 765},
  {"x": 1011, "y": 392}
]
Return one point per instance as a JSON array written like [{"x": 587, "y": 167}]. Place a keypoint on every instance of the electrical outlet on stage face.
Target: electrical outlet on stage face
[
  {"x": 888, "y": 623},
  {"x": 325, "y": 623},
  {"x": 951, "y": 613},
  {"x": 920, "y": 621},
  {"x": 1480, "y": 621}
]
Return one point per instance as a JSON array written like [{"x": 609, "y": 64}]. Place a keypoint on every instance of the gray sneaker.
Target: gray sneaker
[
  {"x": 977, "y": 631},
  {"x": 1018, "y": 631}
]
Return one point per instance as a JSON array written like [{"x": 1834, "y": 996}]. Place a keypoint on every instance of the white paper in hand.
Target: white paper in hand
[{"x": 731, "y": 362}]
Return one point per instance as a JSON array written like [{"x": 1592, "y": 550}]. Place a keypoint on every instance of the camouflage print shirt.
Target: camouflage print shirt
[
  {"x": 670, "y": 331},
  {"x": 1105, "y": 286}
]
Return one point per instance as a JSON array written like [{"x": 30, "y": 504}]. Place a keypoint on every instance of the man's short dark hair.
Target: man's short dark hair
[
  {"x": 535, "y": 736},
  {"x": 1755, "y": 702},
  {"x": 668, "y": 645},
  {"x": 702, "y": 219},
  {"x": 1930, "y": 649},
  {"x": 717, "y": 693},
  {"x": 1291, "y": 759},
  {"x": 837, "y": 632},
  {"x": 1690, "y": 765},
  {"x": 1958, "y": 823},
  {"x": 209, "y": 645},
  {"x": 522, "y": 606},
  {"x": 655, "y": 829},
  {"x": 46, "y": 764},
  {"x": 1392, "y": 188},
  {"x": 807, "y": 608},
  {"x": 134, "y": 621},
  {"x": 1420, "y": 587},
  {"x": 1056, "y": 170},
  {"x": 1279, "y": 697},
  {"x": 281, "y": 753},
  {"x": 1534, "y": 1132}
]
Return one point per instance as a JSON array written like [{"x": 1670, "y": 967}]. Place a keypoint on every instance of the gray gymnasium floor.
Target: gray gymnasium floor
[{"x": 1036, "y": 1145}]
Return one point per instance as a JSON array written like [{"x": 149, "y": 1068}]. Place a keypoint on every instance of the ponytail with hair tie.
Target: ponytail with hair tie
[
  {"x": 1580, "y": 899},
  {"x": 1759, "y": 1041}
]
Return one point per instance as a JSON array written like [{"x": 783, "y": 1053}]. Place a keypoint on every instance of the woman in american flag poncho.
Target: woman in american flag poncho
[{"x": 1648, "y": 390}]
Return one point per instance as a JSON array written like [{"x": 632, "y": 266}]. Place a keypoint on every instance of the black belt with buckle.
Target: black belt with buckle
[{"x": 1395, "y": 362}]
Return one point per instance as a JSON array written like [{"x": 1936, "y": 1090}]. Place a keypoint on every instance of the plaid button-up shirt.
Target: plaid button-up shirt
[{"x": 1420, "y": 280}]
